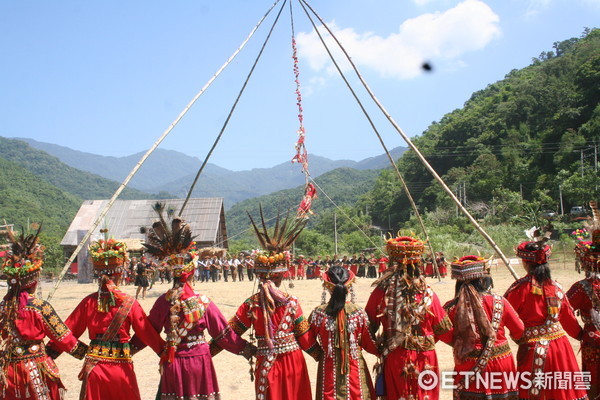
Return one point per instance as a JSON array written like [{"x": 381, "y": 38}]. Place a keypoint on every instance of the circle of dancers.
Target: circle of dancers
[{"x": 401, "y": 324}]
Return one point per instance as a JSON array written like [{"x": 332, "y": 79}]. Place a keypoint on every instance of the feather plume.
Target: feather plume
[
  {"x": 23, "y": 245},
  {"x": 282, "y": 237},
  {"x": 165, "y": 239}
]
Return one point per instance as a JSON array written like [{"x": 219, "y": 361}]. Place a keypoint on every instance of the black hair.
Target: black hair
[
  {"x": 482, "y": 284},
  {"x": 413, "y": 270},
  {"x": 338, "y": 276},
  {"x": 541, "y": 272}
]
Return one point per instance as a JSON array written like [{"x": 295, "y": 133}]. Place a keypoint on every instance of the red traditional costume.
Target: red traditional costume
[
  {"x": 584, "y": 296},
  {"x": 479, "y": 339},
  {"x": 412, "y": 319},
  {"x": 187, "y": 371},
  {"x": 343, "y": 372},
  {"x": 277, "y": 320},
  {"x": 281, "y": 372},
  {"x": 383, "y": 264},
  {"x": 548, "y": 318},
  {"x": 442, "y": 265},
  {"x": 26, "y": 369},
  {"x": 109, "y": 315}
]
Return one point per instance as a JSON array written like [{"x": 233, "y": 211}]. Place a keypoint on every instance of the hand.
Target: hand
[{"x": 249, "y": 351}]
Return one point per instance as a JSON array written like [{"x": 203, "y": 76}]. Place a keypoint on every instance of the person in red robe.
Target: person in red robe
[
  {"x": 343, "y": 372},
  {"x": 277, "y": 321},
  {"x": 27, "y": 369},
  {"x": 412, "y": 319},
  {"x": 301, "y": 270},
  {"x": 584, "y": 296},
  {"x": 479, "y": 318},
  {"x": 109, "y": 315},
  {"x": 442, "y": 265},
  {"x": 548, "y": 318},
  {"x": 187, "y": 371},
  {"x": 429, "y": 272},
  {"x": 383, "y": 265}
]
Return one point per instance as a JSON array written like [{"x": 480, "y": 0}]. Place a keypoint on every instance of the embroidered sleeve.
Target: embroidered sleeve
[
  {"x": 445, "y": 325},
  {"x": 301, "y": 326},
  {"x": 80, "y": 350},
  {"x": 242, "y": 320}
]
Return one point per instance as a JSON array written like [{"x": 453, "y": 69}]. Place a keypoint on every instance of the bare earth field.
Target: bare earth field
[{"x": 234, "y": 379}]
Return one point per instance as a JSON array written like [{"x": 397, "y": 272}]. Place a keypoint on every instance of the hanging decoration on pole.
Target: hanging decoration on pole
[{"x": 301, "y": 156}]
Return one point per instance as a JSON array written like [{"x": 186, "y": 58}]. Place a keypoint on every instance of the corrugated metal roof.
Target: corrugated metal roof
[{"x": 126, "y": 217}]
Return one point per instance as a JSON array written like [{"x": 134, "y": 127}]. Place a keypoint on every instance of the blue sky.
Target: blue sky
[{"x": 109, "y": 77}]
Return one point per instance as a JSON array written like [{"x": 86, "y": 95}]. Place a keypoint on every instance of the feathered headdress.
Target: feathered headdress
[
  {"x": 170, "y": 241},
  {"x": 24, "y": 260},
  {"x": 275, "y": 257},
  {"x": 21, "y": 267}
]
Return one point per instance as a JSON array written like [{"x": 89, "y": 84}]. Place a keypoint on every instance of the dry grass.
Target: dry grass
[{"x": 233, "y": 370}]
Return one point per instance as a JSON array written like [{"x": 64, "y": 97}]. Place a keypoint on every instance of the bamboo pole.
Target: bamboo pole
[
  {"x": 390, "y": 158},
  {"x": 414, "y": 148},
  {"x": 145, "y": 156}
]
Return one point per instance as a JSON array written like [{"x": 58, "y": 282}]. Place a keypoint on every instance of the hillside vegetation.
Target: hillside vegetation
[
  {"x": 71, "y": 180},
  {"x": 514, "y": 146},
  {"x": 509, "y": 154}
]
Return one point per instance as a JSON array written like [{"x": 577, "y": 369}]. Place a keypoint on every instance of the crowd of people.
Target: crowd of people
[
  {"x": 401, "y": 324},
  {"x": 145, "y": 272}
]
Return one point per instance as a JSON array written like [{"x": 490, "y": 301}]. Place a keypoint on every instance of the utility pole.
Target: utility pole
[
  {"x": 521, "y": 188},
  {"x": 562, "y": 209},
  {"x": 582, "y": 163}
]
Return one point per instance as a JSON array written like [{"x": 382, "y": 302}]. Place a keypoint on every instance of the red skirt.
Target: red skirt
[
  {"x": 498, "y": 389},
  {"x": 399, "y": 383},
  {"x": 190, "y": 377},
  {"x": 559, "y": 358},
  {"x": 429, "y": 270},
  {"x": 111, "y": 380},
  {"x": 287, "y": 379},
  {"x": 19, "y": 385},
  {"x": 590, "y": 362}
]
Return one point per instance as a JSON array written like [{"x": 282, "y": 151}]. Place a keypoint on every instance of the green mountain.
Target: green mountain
[
  {"x": 173, "y": 172},
  {"x": 343, "y": 185},
  {"x": 531, "y": 137},
  {"x": 26, "y": 199},
  {"x": 71, "y": 180}
]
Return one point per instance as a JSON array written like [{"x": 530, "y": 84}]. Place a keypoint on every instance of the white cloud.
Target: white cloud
[{"x": 469, "y": 26}]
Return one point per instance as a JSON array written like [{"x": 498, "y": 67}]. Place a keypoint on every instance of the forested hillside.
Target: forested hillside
[
  {"x": 528, "y": 137},
  {"x": 48, "y": 168},
  {"x": 343, "y": 185}
]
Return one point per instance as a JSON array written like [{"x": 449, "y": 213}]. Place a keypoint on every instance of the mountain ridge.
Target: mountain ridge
[{"x": 169, "y": 171}]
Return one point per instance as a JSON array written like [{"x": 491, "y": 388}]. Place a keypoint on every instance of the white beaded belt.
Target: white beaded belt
[{"x": 281, "y": 345}]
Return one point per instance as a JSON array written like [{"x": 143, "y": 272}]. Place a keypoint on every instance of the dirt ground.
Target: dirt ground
[{"x": 233, "y": 375}]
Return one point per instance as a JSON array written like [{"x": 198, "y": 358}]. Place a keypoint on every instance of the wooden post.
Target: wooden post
[{"x": 85, "y": 273}]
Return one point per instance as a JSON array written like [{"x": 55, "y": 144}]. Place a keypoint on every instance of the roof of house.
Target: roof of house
[{"x": 126, "y": 217}]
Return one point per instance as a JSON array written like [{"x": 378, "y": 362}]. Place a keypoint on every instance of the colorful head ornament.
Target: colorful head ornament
[
  {"x": 405, "y": 250},
  {"x": 274, "y": 258},
  {"x": 588, "y": 251},
  {"x": 24, "y": 260},
  {"x": 536, "y": 251},
  {"x": 108, "y": 255},
  {"x": 171, "y": 242},
  {"x": 469, "y": 267}
]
